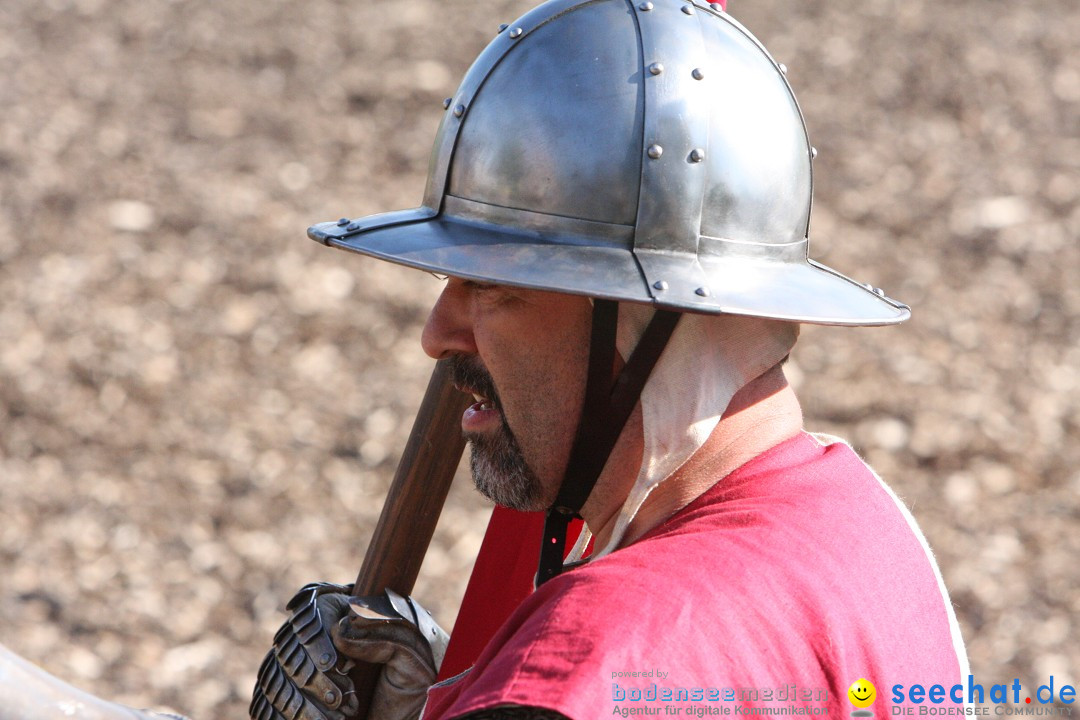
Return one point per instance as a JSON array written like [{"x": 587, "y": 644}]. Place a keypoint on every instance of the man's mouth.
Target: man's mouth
[
  {"x": 480, "y": 417},
  {"x": 482, "y": 403},
  {"x": 471, "y": 377}
]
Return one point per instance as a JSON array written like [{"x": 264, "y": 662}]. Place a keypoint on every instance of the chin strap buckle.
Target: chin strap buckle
[{"x": 553, "y": 546}]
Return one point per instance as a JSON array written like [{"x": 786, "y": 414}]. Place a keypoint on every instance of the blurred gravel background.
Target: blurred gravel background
[{"x": 201, "y": 409}]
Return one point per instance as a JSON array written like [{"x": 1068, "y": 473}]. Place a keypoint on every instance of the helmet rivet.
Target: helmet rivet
[
  {"x": 516, "y": 33},
  {"x": 459, "y": 111},
  {"x": 688, "y": 9},
  {"x": 655, "y": 151},
  {"x": 813, "y": 153},
  {"x": 698, "y": 74},
  {"x": 503, "y": 26},
  {"x": 343, "y": 222},
  {"x": 716, "y": 6},
  {"x": 645, "y": 6},
  {"x": 324, "y": 659},
  {"x": 330, "y": 696},
  {"x": 446, "y": 103},
  {"x": 660, "y": 285},
  {"x": 703, "y": 291},
  {"x": 352, "y": 226},
  {"x": 656, "y": 68},
  {"x": 783, "y": 68},
  {"x": 697, "y": 155}
]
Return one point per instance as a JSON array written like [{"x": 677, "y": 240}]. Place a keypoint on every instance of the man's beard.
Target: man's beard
[{"x": 498, "y": 465}]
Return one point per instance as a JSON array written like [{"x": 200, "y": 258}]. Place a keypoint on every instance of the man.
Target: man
[{"x": 620, "y": 195}]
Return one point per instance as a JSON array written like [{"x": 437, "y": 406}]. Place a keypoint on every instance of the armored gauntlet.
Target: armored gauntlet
[{"x": 305, "y": 676}]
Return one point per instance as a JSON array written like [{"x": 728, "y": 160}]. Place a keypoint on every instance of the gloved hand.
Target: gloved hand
[{"x": 306, "y": 674}]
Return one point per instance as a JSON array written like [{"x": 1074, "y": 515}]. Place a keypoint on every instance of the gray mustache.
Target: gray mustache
[{"x": 468, "y": 372}]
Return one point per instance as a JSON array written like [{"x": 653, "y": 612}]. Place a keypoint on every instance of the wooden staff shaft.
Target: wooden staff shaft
[{"x": 414, "y": 503}]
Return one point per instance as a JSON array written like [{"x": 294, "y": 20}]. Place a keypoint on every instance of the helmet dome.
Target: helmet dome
[{"x": 647, "y": 151}]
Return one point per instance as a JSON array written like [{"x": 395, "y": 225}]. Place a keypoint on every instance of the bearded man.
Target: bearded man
[{"x": 620, "y": 197}]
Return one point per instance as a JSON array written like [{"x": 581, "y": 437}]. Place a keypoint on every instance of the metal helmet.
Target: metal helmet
[{"x": 648, "y": 151}]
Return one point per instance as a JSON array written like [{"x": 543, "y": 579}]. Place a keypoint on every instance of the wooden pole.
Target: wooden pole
[{"x": 413, "y": 505}]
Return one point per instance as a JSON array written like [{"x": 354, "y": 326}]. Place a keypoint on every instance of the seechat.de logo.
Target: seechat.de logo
[{"x": 862, "y": 694}]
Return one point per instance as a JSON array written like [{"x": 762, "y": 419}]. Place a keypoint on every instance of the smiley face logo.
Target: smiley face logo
[{"x": 862, "y": 693}]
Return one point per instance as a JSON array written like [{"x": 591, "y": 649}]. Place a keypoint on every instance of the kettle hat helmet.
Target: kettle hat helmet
[{"x": 648, "y": 151}]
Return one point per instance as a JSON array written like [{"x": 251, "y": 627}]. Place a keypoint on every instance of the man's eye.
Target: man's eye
[{"x": 479, "y": 286}]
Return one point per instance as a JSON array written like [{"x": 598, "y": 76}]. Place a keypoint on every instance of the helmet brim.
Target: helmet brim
[{"x": 606, "y": 267}]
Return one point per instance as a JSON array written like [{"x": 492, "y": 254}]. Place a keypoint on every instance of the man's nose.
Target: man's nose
[{"x": 448, "y": 330}]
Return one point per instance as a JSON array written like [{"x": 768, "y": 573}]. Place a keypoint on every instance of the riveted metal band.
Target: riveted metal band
[
  {"x": 672, "y": 185},
  {"x": 592, "y": 233},
  {"x": 792, "y": 252},
  {"x": 327, "y": 232}
]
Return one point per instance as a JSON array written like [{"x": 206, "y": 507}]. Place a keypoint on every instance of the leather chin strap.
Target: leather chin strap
[{"x": 604, "y": 413}]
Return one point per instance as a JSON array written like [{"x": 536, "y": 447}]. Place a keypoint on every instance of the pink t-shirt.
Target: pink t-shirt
[{"x": 795, "y": 576}]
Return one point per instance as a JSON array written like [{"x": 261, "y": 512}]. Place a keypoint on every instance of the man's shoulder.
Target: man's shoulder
[
  {"x": 751, "y": 518},
  {"x": 798, "y": 563},
  {"x": 796, "y": 523}
]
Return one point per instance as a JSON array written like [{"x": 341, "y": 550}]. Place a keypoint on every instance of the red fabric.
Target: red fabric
[
  {"x": 501, "y": 578},
  {"x": 797, "y": 568}
]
